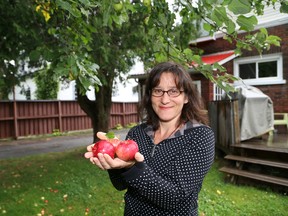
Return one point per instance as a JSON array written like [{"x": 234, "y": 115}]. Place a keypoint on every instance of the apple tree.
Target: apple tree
[
  {"x": 93, "y": 41},
  {"x": 99, "y": 41}
]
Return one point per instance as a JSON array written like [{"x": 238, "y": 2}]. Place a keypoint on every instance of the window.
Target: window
[
  {"x": 260, "y": 70},
  {"x": 197, "y": 83},
  {"x": 217, "y": 93}
]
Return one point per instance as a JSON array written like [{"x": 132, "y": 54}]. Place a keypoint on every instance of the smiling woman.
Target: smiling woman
[{"x": 176, "y": 148}]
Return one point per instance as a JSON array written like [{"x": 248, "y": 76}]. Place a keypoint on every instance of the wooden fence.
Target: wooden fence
[
  {"x": 224, "y": 120},
  {"x": 29, "y": 118}
]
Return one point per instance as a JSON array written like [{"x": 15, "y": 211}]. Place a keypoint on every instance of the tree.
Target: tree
[
  {"x": 47, "y": 85},
  {"x": 20, "y": 32},
  {"x": 112, "y": 35},
  {"x": 95, "y": 41}
]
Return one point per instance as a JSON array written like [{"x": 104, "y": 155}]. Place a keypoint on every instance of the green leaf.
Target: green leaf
[
  {"x": 219, "y": 15},
  {"x": 275, "y": 40},
  {"x": 52, "y": 31},
  {"x": 160, "y": 57},
  {"x": 85, "y": 2},
  {"x": 240, "y": 6},
  {"x": 264, "y": 31},
  {"x": 71, "y": 61},
  {"x": 196, "y": 59},
  {"x": 188, "y": 53},
  {"x": 152, "y": 32},
  {"x": 84, "y": 12},
  {"x": 84, "y": 82},
  {"x": 130, "y": 7},
  {"x": 219, "y": 67},
  {"x": 212, "y": 1},
  {"x": 284, "y": 7},
  {"x": 228, "y": 38},
  {"x": 66, "y": 6},
  {"x": 247, "y": 23},
  {"x": 230, "y": 26},
  {"x": 94, "y": 67},
  {"x": 110, "y": 135},
  {"x": 84, "y": 39},
  {"x": 207, "y": 27},
  {"x": 162, "y": 19},
  {"x": 221, "y": 12},
  {"x": 106, "y": 17},
  {"x": 34, "y": 55}
]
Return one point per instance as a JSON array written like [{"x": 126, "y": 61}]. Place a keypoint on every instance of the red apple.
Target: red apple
[
  {"x": 126, "y": 150},
  {"x": 104, "y": 147},
  {"x": 110, "y": 137},
  {"x": 114, "y": 141}
]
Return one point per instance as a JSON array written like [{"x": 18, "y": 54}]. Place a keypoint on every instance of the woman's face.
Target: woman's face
[{"x": 166, "y": 107}]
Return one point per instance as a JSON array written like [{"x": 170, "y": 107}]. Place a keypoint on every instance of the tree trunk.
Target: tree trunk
[{"x": 98, "y": 110}]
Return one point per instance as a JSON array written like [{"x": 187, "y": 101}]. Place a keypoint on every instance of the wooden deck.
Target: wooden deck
[
  {"x": 270, "y": 143},
  {"x": 263, "y": 159}
]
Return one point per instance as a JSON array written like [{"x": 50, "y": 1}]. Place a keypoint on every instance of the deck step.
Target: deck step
[
  {"x": 257, "y": 161},
  {"x": 257, "y": 176},
  {"x": 256, "y": 146}
]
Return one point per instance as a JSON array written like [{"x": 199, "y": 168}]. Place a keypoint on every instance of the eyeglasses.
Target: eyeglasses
[{"x": 156, "y": 92}]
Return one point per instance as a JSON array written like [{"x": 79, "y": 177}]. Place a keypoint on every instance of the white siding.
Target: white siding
[{"x": 272, "y": 17}]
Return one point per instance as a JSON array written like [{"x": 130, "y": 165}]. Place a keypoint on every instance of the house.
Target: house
[
  {"x": 261, "y": 159},
  {"x": 122, "y": 92},
  {"x": 264, "y": 158},
  {"x": 268, "y": 72}
]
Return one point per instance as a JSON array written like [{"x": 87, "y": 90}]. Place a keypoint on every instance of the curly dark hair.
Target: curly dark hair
[{"x": 193, "y": 110}]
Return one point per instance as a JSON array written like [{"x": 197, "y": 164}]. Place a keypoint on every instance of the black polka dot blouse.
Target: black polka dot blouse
[{"x": 171, "y": 176}]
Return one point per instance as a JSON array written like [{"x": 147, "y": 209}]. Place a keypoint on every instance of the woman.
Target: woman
[{"x": 176, "y": 148}]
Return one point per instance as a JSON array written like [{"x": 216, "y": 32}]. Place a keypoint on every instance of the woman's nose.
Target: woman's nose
[{"x": 165, "y": 98}]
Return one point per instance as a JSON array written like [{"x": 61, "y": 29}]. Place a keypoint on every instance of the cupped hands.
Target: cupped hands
[{"x": 105, "y": 162}]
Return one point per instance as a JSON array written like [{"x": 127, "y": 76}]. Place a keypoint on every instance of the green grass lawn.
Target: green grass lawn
[{"x": 67, "y": 184}]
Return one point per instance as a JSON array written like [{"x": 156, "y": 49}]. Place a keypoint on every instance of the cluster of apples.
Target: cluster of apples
[{"x": 114, "y": 147}]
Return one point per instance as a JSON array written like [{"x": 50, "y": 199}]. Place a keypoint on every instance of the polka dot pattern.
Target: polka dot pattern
[{"x": 169, "y": 180}]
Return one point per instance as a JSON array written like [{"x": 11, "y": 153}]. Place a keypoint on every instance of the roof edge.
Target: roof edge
[{"x": 218, "y": 34}]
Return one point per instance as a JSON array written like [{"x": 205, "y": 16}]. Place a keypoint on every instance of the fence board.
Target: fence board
[
  {"x": 42, "y": 117},
  {"x": 224, "y": 121}
]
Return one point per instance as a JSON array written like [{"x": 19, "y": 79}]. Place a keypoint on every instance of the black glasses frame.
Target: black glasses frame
[{"x": 163, "y": 92}]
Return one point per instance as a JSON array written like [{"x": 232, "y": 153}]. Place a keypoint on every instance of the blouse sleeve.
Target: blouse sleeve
[{"x": 117, "y": 179}]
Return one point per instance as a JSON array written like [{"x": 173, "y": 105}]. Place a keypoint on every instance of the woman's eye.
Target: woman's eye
[{"x": 174, "y": 91}]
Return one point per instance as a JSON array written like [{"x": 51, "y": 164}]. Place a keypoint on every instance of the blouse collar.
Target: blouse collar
[{"x": 150, "y": 132}]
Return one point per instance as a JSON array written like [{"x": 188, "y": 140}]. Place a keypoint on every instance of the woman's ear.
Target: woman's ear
[{"x": 186, "y": 99}]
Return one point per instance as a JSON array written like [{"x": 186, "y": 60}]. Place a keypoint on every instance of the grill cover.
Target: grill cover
[{"x": 255, "y": 111}]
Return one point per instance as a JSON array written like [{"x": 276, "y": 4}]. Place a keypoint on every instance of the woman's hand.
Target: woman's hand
[{"x": 105, "y": 162}]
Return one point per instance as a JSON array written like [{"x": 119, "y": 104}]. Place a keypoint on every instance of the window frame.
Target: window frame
[
  {"x": 217, "y": 93},
  {"x": 260, "y": 59},
  {"x": 197, "y": 83}
]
